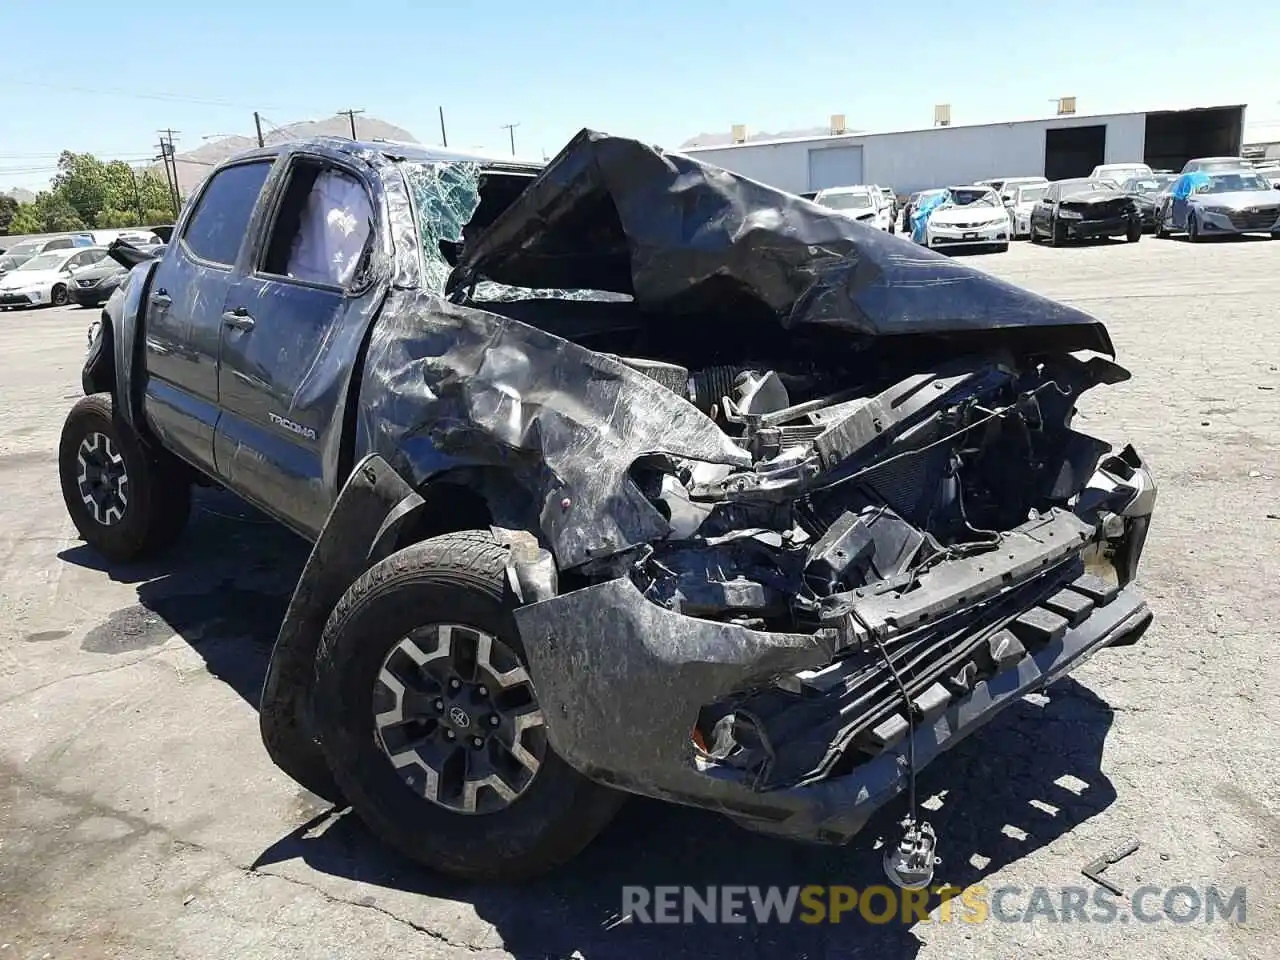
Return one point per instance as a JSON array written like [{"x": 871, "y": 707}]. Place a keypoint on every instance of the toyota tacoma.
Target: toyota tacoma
[{"x": 623, "y": 475}]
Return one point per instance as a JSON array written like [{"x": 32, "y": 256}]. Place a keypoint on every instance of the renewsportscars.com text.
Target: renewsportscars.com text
[{"x": 976, "y": 904}]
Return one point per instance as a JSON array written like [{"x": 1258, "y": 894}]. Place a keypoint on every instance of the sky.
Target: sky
[{"x": 88, "y": 75}]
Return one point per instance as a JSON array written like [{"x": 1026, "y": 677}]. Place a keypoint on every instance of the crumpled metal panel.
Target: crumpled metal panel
[
  {"x": 686, "y": 238},
  {"x": 448, "y": 385}
]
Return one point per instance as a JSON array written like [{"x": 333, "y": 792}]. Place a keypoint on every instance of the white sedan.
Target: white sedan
[
  {"x": 1021, "y": 201},
  {"x": 969, "y": 217},
  {"x": 44, "y": 279},
  {"x": 862, "y": 203}
]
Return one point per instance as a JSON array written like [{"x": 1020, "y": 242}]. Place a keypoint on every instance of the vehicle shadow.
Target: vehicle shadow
[
  {"x": 1030, "y": 776},
  {"x": 224, "y": 589},
  {"x": 1225, "y": 238}
]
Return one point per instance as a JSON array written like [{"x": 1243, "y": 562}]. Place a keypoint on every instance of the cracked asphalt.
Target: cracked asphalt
[{"x": 141, "y": 818}]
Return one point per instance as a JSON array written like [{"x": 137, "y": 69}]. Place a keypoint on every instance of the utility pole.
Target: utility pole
[
  {"x": 511, "y": 129},
  {"x": 351, "y": 117},
  {"x": 137, "y": 195},
  {"x": 170, "y": 161},
  {"x": 444, "y": 140},
  {"x": 257, "y": 123}
]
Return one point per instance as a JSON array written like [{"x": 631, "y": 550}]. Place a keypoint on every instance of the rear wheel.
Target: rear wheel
[
  {"x": 432, "y": 726},
  {"x": 125, "y": 501}
]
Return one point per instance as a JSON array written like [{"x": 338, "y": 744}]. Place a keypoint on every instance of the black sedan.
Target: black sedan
[
  {"x": 1084, "y": 209},
  {"x": 92, "y": 286}
]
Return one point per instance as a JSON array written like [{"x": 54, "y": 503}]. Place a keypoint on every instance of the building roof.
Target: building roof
[{"x": 858, "y": 135}]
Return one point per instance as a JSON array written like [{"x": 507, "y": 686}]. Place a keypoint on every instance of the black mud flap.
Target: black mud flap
[{"x": 372, "y": 495}]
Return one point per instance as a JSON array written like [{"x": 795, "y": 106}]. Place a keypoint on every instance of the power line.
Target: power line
[{"x": 134, "y": 95}]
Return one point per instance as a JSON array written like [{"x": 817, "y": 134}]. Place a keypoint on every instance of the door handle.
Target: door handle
[{"x": 238, "y": 318}]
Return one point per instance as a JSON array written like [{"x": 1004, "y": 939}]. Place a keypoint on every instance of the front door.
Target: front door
[
  {"x": 184, "y": 315},
  {"x": 292, "y": 326}
]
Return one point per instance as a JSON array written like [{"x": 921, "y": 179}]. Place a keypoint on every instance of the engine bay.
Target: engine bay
[{"x": 857, "y": 491}]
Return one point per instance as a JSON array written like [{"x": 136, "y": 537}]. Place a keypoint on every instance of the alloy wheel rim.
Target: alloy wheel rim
[
  {"x": 456, "y": 715},
  {"x": 102, "y": 481}
]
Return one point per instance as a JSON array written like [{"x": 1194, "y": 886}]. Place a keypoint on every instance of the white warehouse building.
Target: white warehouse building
[{"x": 911, "y": 160}]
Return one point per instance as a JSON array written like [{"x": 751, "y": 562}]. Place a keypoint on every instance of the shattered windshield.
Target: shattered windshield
[
  {"x": 975, "y": 197},
  {"x": 445, "y": 198},
  {"x": 847, "y": 201}
]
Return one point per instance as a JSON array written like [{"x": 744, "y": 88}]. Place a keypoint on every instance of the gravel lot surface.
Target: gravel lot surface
[{"x": 140, "y": 816}]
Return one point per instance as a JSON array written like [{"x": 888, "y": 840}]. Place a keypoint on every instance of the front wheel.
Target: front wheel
[
  {"x": 59, "y": 297},
  {"x": 431, "y": 724},
  {"x": 1193, "y": 228},
  {"x": 1134, "y": 233}
]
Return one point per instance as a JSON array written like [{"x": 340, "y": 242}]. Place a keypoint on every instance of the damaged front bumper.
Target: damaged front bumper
[{"x": 625, "y": 684}]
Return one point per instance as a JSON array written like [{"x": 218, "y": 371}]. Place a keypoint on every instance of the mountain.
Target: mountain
[
  {"x": 194, "y": 165},
  {"x": 726, "y": 139}
]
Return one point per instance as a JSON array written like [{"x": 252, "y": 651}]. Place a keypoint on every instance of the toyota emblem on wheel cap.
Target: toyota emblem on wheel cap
[{"x": 458, "y": 717}]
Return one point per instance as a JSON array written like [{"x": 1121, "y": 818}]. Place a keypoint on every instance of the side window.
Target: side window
[
  {"x": 90, "y": 257},
  {"x": 218, "y": 225},
  {"x": 1051, "y": 195},
  {"x": 63, "y": 243},
  {"x": 323, "y": 229}
]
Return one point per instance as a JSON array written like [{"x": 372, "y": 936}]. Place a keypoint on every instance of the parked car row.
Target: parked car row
[{"x": 83, "y": 275}]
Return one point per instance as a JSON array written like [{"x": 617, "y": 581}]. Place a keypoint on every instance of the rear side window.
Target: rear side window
[
  {"x": 221, "y": 218},
  {"x": 64, "y": 244}
]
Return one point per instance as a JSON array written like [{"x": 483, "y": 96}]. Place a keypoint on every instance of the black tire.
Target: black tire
[
  {"x": 1162, "y": 232},
  {"x": 1033, "y": 235},
  {"x": 158, "y": 496},
  {"x": 1057, "y": 235},
  {"x": 1134, "y": 233},
  {"x": 459, "y": 579},
  {"x": 1193, "y": 228},
  {"x": 59, "y": 297}
]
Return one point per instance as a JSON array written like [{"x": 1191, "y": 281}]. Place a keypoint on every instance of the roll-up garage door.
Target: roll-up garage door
[{"x": 834, "y": 167}]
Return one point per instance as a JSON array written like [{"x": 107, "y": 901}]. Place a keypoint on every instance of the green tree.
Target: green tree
[
  {"x": 83, "y": 182},
  {"x": 8, "y": 210},
  {"x": 155, "y": 197},
  {"x": 50, "y": 212}
]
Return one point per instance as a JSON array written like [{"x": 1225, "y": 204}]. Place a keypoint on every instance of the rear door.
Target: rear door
[
  {"x": 293, "y": 324},
  {"x": 184, "y": 315}
]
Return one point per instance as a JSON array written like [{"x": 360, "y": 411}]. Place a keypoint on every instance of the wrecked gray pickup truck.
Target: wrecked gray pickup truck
[{"x": 625, "y": 475}]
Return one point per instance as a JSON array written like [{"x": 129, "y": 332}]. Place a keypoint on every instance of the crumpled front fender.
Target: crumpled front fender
[{"x": 665, "y": 665}]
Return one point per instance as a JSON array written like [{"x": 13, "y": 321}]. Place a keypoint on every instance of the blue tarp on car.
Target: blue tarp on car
[
  {"x": 920, "y": 215},
  {"x": 1187, "y": 183}
]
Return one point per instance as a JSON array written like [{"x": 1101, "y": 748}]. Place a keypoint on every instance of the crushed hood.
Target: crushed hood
[
  {"x": 1090, "y": 197},
  {"x": 683, "y": 237}
]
